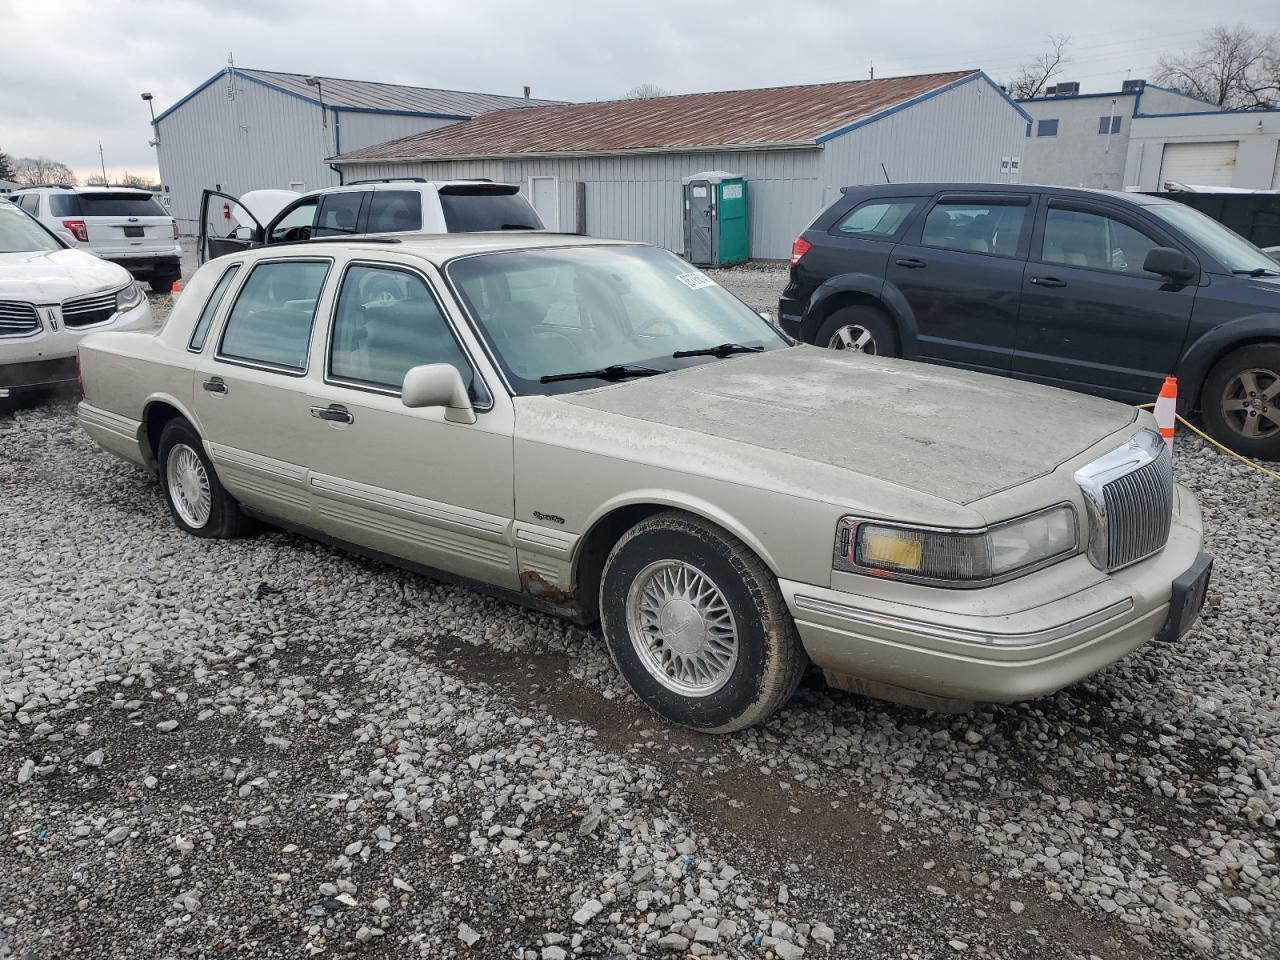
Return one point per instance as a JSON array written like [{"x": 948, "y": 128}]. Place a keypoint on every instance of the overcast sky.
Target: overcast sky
[{"x": 71, "y": 72}]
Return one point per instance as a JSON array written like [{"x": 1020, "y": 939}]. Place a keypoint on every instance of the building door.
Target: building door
[
  {"x": 1202, "y": 164},
  {"x": 544, "y": 194},
  {"x": 700, "y": 225}
]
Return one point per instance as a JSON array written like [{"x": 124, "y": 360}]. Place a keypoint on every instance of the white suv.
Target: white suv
[
  {"x": 411, "y": 205},
  {"x": 121, "y": 224}
]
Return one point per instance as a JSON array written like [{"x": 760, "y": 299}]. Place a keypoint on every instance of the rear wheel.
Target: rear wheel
[
  {"x": 697, "y": 626},
  {"x": 1241, "y": 401},
  {"x": 197, "y": 502},
  {"x": 859, "y": 328}
]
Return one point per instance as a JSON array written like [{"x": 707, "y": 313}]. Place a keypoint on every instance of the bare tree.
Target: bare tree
[
  {"x": 95, "y": 180},
  {"x": 1234, "y": 67},
  {"x": 646, "y": 91},
  {"x": 6, "y": 167},
  {"x": 42, "y": 172},
  {"x": 134, "y": 180},
  {"x": 1033, "y": 77}
]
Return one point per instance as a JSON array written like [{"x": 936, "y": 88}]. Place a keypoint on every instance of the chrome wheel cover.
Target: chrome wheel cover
[
  {"x": 188, "y": 486},
  {"x": 682, "y": 628},
  {"x": 853, "y": 336},
  {"x": 1251, "y": 403}
]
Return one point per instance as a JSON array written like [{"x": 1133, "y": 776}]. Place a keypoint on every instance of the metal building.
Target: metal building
[
  {"x": 614, "y": 169},
  {"x": 244, "y": 130}
]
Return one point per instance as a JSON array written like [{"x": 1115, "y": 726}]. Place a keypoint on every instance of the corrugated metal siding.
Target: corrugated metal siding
[
  {"x": 959, "y": 135},
  {"x": 262, "y": 138},
  {"x": 640, "y": 198}
]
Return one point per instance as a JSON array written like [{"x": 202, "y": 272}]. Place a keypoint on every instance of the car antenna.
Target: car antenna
[{"x": 885, "y": 172}]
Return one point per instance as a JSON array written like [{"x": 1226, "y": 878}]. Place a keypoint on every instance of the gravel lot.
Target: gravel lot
[{"x": 267, "y": 748}]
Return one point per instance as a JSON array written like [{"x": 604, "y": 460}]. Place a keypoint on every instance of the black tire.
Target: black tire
[
  {"x": 163, "y": 282},
  {"x": 884, "y": 334},
  {"x": 769, "y": 658},
  {"x": 224, "y": 519},
  {"x": 1247, "y": 421}
]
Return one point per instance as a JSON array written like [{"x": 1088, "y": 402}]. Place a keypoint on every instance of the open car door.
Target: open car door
[{"x": 230, "y": 224}]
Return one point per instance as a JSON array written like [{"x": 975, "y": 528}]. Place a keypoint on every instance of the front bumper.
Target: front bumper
[
  {"x": 47, "y": 357},
  {"x": 1047, "y": 642}
]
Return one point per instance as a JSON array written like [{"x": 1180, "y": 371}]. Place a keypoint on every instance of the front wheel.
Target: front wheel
[
  {"x": 197, "y": 502},
  {"x": 1241, "y": 401},
  {"x": 697, "y": 626}
]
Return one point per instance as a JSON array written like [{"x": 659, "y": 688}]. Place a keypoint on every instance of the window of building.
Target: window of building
[
  {"x": 878, "y": 219},
  {"x": 387, "y": 322},
  {"x": 271, "y": 320},
  {"x": 1108, "y": 125},
  {"x": 1047, "y": 128}
]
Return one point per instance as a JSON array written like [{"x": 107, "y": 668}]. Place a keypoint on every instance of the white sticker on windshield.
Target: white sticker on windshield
[{"x": 695, "y": 281}]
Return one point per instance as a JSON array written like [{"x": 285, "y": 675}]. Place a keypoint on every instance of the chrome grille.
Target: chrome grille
[
  {"x": 18, "y": 319},
  {"x": 1129, "y": 495},
  {"x": 86, "y": 311}
]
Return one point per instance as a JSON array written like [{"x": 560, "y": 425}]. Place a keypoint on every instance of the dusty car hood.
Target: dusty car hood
[
  {"x": 51, "y": 276},
  {"x": 946, "y": 433}
]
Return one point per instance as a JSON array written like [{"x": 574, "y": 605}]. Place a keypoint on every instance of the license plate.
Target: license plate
[
  {"x": 133, "y": 232},
  {"x": 1187, "y": 599}
]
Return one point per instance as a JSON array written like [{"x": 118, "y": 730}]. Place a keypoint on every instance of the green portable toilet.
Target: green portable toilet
[{"x": 715, "y": 219}]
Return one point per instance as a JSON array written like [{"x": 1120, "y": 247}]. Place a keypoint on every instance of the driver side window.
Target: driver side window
[
  {"x": 1076, "y": 238},
  {"x": 296, "y": 224}
]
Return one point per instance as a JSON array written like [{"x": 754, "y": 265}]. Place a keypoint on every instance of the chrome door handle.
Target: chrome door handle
[
  {"x": 215, "y": 385},
  {"x": 333, "y": 413},
  {"x": 1048, "y": 282}
]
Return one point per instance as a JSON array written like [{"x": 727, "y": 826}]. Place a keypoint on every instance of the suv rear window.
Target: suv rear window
[
  {"x": 482, "y": 207},
  {"x": 113, "y": 204}
]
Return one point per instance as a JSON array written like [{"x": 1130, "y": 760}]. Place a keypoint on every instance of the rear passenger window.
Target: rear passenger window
[
  {"x": 877, "y": 219},
  {"x": 975, "y": 227},
  {"x": 270, "y": 322},
  {"x": 391, "y": 211},
  {"x": 339, "y": 214},
  {"x": 201, "y": 332},
  {"x": 387, "y": 322}
]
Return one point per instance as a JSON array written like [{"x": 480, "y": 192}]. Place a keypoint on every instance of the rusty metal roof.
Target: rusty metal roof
[{"x": 772, "y": 117}]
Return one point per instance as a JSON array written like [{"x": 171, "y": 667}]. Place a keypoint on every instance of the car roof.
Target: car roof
[
  {"x": 927, "y": 189},
  {"x": 405, "y": 183},
  {"x": 441, "y": 247}
]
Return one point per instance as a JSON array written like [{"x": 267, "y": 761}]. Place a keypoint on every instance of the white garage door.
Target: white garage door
[{"x": 1203, "y": 164}]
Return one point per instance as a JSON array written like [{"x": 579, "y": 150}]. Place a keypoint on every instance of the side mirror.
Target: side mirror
[
  {"x": 1171, "y": 263},
  {"x": 438, "y": 385}
]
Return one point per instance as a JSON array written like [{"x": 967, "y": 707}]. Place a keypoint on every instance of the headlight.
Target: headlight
[
  {"x": 129, "y": 297},
  {"x": 956, "y": 558}
]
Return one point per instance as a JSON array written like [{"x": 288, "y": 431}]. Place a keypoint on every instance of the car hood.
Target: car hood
[
  {"x": 51, "y": 276},
  {"x": 951, "y": 434}
]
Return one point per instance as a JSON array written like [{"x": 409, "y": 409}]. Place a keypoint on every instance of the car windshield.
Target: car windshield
[
  {"x": 1232, "y": 250},
  {"x": 20, "y": 234},
  {"x": 571, "y": 309}
]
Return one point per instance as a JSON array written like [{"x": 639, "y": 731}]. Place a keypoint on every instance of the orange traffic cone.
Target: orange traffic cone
[
  {"x": 176, "y": 288},
  {"x": 1167, "y": 410}
]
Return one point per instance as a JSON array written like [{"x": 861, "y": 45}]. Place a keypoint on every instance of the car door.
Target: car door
[
  {"x": 1092, "y": 318},
  {"x": 960, "y": 271},
  {"x": 251, "y": 388},
  {"x": 407, "y": 482}
]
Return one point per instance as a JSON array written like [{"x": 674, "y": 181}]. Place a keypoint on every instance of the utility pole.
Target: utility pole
[
  {"x": 103, "y": 162},
  {"x": 872, "y": 70}
]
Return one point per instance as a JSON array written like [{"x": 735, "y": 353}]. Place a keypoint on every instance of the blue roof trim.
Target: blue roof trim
[
  {"x": 898, "y": 107},
  {"x": 404, "y": 113},
  {"x": 217, "y": 76},
  {"x": 1208, "y": 113}
]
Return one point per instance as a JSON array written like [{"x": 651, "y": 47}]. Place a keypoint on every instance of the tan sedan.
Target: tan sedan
[{"x": 600, "y": 430}]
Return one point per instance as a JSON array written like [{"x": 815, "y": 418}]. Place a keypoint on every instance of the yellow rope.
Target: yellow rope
[{"x": 1200, "y": 433}]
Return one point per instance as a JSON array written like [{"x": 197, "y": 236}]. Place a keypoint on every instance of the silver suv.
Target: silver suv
[
  {"x": 407, "y": 205},
  {"x": 125, "y": 225}
]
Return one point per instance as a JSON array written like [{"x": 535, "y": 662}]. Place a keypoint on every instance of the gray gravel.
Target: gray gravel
[{"x": 268, "y": 748}]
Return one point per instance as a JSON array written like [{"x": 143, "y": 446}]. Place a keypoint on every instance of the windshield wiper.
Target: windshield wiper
[
  {"x": 1257, "y": 272},
  {"x": 614, "y": 372},
  {"x": 723, "y": 350}
]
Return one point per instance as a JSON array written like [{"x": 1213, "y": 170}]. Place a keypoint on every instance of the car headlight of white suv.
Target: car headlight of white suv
[
  {"x": 956, "y": 558},
  {"x": 129, "y": 297}
]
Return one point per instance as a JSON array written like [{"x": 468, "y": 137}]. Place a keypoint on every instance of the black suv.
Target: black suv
[{"x": 1090, "y": 290}]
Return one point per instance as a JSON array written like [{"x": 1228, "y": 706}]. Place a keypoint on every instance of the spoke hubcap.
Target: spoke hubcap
[
  {"x": 1251, "y": 403},
  {"x": 682, "y": 629},
  {"x": 188, "y": 485},
  {"x": 853, "y": 336}
]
